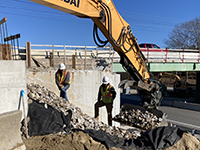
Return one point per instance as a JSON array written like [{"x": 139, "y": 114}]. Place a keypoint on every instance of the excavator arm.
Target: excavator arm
[{"x": 118, "y": 32}]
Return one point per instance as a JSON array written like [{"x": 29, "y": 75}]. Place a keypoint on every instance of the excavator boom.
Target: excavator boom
[{"x": 118, "y": 32}]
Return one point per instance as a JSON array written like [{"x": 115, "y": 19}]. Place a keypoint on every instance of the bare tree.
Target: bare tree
[{"x": 185, "y": 35}]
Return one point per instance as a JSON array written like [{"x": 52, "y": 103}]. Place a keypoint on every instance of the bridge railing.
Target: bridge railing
[
  {"x": 171, "y": 55},
  {"x": 64, "y": 53},
  {"x": 93, "y": 52},
  {"x": 43, "y": 51}
]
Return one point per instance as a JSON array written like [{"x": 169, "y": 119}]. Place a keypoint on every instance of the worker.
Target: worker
[
  {"x": 106, "y": 97},
  {"x": 62, "y": 78}
]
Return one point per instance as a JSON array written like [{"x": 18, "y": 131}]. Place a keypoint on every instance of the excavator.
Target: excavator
[{"x": 119, "y": 34}]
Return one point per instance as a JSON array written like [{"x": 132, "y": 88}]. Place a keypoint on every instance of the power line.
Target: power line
[
  {"x": 127, "y": 12},
  {"x": 150, "y": 16},
  {"x": 32, "y": 16},
  {"x": 23, "y": 9},
  {"x": 150, "y": 21},
  {"x": 40, "y": 11}
]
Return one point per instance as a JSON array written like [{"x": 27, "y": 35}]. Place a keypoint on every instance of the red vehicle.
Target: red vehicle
[
  {"x": 151, "y": 47},
  {"x": 148, "y": 45}
]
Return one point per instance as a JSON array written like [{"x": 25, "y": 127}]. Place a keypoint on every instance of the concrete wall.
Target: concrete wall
[
  {"x": 83, "y": 90},
  {"x": 10, "y": 137},
  {"x": 12, "y": 81}
]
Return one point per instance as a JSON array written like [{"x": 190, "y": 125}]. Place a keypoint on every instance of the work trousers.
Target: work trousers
[
  {"x": 109, "y": 107},
  {"x": 63, "y": 92}
]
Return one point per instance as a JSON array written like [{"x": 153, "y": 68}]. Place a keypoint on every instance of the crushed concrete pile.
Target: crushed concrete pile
[
  {"x": 79, "y": 119},
  {"x": 137, "y": 118}
]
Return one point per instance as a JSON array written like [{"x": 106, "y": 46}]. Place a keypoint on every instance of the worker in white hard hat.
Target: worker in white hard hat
[
  {"x": 106, "y": 97},
  {"x": 62, "y": 78}
]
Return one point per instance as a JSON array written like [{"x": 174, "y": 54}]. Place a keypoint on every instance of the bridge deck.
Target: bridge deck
[{"x": 163, "y": 67}]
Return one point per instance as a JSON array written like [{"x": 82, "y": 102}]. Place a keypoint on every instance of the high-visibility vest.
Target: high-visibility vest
[
  {"x": 106, "y": 95},
  {"x": 61, "y": 77}
]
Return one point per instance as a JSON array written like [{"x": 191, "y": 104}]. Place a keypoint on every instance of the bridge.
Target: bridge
[{"x": 168, "y": 60}]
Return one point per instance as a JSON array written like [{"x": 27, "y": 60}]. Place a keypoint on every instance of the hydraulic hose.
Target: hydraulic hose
[{"x": 95, "y": 35}]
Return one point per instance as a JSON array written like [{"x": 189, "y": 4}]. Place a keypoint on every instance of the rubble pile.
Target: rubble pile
[
  {"x": 137, "y": 118},
  {"x": 79, "y": 119}
]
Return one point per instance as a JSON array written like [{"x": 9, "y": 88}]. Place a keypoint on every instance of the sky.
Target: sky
[{"x": 151, "y": 21}]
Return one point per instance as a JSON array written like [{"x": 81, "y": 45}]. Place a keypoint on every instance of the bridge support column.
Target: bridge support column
[{"x": 198, "y": 87}]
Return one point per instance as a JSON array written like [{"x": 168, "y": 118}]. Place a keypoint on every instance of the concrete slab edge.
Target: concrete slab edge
[{"x": 10, "y": 137}]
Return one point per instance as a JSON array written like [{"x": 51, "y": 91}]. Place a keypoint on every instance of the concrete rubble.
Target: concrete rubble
[
  {"x": 137, "y": 118},
  {"x": 83, "y": 121},
  {"x": 79, "y": 119}
]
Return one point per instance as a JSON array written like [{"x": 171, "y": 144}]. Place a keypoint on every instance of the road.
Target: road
[
  {"x": 188, "y": 120},
  {"x": 183, "y": 116}
]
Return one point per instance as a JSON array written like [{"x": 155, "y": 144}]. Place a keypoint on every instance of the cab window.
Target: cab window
[
  {"x": 148, "y": 45},
  {"x": 156, "y": 47},
  {"x": 142, "y": 46}
]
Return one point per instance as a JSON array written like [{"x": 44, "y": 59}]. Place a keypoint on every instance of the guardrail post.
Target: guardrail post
[
  {"x": 51, "y": 60},
  {"x": 183, "y": 56},
  {"x": 97, "y": 52},
  {"x": 53, "y": 49},
  {"x": 73, "y": 62},
  {"x": 166, "y": 55},
  {"x": 85, "y": 57},
  {"x": 64, "y": 55},
  {"x": 28, "y": 53}
]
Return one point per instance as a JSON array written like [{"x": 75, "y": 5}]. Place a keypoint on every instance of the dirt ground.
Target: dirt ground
[
  {"x": 187, "y": 142},
  {"x": 74, "y": 141},
  {"x": 82, "y": 141}
]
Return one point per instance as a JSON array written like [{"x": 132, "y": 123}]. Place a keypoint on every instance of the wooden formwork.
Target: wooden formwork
[{"x": 5, "y": 52}]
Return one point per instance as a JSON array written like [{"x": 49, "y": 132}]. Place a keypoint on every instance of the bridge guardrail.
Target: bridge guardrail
[
  {"x": 171, "y": 55},
  {"x": 93, "y": 52}
]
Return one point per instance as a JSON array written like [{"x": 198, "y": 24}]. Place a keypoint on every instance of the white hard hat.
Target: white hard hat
[
  {"x": 61, "y": 66},
  {"x": 105, "y": 80}
]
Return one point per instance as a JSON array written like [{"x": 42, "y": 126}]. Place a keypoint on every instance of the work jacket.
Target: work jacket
[
  {"x": 106, "y": 93},
  {"x": 62, "y": 78}
]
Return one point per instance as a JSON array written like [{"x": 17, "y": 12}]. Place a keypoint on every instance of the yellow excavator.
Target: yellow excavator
[{"x": 118, "y": 32}]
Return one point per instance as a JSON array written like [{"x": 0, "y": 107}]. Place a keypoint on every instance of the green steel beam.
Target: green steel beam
[{"x": 163, "y": 67}]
